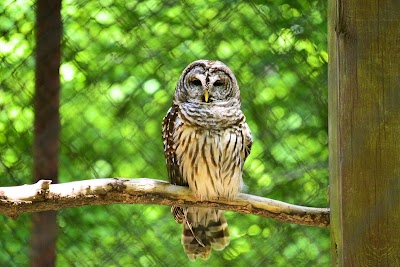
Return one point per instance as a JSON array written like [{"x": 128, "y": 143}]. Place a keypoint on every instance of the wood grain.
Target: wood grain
[{"x": 364, "y": 130}]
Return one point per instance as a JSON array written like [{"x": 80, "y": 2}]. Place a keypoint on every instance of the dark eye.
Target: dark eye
[
  {"x": 196, "y": 82},
  {"x": 218, "y": 83}
]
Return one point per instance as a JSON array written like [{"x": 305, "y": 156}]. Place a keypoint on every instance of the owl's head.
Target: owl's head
[{"x": 206, "y": 81}]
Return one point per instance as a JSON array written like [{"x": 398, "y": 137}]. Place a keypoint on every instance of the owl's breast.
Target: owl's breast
[
  {"x": 211, "y": 160},
  {"x": 211, "y": 116}
]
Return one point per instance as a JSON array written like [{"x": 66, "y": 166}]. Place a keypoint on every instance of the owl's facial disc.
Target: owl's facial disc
[
  {"x": 219, "y": 86},
  {"x": 196, "y": 85},
  {"x": 208, "y": 84}
]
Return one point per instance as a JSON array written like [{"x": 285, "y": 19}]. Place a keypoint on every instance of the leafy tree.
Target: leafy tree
[{"x": 121, "y": 61}]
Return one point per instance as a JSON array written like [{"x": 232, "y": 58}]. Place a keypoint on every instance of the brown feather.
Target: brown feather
[{"x": 205, "y": 145}]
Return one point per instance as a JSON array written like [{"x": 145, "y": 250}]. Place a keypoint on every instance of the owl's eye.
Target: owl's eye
[
  {"x": 218, "y": 83},
  {"x": 196, "y": 82}
]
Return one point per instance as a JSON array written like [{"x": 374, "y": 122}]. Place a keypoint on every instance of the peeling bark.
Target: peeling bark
[{"x": 44, "y": 196}]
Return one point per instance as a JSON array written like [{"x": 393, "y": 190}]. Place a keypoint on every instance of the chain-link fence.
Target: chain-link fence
[{"x": 120, "y": 64}]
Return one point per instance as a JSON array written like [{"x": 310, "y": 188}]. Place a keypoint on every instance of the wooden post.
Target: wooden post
[
  {"x": 364, "y": 132},
  {"x": 47, "y": 124}
]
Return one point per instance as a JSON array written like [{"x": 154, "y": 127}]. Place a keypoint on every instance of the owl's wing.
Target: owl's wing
[
  {"x": 168, "y": 129},
  {"x": 175, "y": 177}
]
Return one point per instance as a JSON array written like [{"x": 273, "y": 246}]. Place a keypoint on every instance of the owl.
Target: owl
[{"x": 206, "y": 142}]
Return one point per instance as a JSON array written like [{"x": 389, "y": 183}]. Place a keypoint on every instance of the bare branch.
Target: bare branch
[{"x": 44, "y": 196}]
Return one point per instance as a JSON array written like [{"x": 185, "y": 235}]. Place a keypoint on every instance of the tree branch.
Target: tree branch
[{"x": 44, "y": 196}]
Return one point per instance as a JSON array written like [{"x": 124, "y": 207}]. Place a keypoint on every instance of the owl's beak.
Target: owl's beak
[{"x": 206, "y": 95}]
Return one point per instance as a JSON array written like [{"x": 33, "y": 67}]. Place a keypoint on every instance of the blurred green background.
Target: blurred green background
[{"x": 120, "y": 64}]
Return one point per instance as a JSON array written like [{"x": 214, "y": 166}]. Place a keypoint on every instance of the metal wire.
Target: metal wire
[{"x": 120, "y": 64}]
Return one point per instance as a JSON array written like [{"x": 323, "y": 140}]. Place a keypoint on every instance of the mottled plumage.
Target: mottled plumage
[{"x": 206, "y": 141}]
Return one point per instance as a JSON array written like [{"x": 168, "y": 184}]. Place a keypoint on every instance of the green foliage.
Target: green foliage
[{"x": 121, "y": 61}]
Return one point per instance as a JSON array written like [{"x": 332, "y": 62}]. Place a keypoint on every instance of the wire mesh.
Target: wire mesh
[{"x": 120, "y": 64}]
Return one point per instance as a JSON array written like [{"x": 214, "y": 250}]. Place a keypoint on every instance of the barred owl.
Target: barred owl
[{"x": 206, "y": 141}]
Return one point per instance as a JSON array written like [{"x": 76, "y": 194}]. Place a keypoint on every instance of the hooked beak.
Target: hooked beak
[{"x": 206, "y": 95}]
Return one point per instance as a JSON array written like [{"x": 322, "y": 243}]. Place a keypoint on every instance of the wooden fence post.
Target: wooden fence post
[
  {"x": 364, "y": 132},
  {"x": 47, "y": 124}
]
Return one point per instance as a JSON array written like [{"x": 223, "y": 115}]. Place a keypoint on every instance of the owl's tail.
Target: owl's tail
[{"x": 204, "y": 229}]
